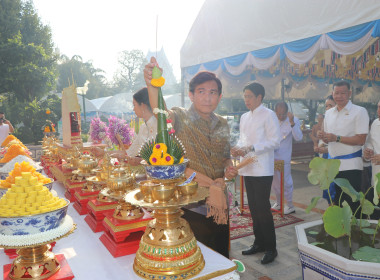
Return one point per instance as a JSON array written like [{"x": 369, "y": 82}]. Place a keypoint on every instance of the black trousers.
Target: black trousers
[
  {"x": 258, "y": 193},
  {"x": 355, "y": 178},
  {"x": 214, "y": 236}
]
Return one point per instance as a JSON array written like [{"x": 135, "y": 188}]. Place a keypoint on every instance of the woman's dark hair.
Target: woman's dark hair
[
  {"x": 330, "y": 97},
  {"x": 142, "y": 96},
  {"x": 204, "y": 76},
  {"x": 256, "y": 88}
]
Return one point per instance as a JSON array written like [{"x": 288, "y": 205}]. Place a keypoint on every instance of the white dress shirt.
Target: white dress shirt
[
  {"x": 4, "y": 132},
  {"x": 349, "y": 121},
  {"x": 259, "y": 128},
  {"x": 147, "y": 131},
  {"x": 284, "y": 152},
  {"x": 373, "y": 142}
]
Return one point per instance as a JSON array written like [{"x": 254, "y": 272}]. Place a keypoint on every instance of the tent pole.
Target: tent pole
[{"x": 182, "y": 88}]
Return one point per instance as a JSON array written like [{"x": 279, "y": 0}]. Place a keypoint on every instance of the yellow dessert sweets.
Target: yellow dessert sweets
[
  {"x": 16, "y": 177},
  {"x": 27, "y": 196}
]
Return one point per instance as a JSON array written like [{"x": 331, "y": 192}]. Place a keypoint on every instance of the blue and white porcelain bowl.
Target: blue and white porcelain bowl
[
  {"x": 25, "y": 225},
  {"x": 3, "y": 191},
  {"x": 49, "y": 185},
  {"x": 3, "y": 175},
  {"x": 165, "y": 171}
]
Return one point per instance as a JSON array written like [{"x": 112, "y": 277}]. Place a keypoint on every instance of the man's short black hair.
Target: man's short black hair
[
  {"x": 341, "y": 84},
  {"x": 256, "y": 88},
  {"x": 202, "y": 77}
]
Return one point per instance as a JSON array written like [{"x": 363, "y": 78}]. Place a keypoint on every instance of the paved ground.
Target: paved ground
[{"x": 287, "y": 265}]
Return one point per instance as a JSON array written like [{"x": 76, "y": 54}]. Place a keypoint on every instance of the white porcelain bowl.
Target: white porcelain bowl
[{"x": 33, "y": 224}]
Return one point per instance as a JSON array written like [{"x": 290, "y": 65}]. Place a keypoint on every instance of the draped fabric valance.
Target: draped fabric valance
[{"x": 309, "y": 43}]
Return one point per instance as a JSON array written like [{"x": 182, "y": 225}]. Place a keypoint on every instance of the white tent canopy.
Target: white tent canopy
[
  {"x": 224, "y": 28},
  {"x": 231, "y": 38},
  {"x": 119, "y": 103}
]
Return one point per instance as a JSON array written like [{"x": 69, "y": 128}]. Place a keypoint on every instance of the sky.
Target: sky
[{"x": 99, "y": 30}]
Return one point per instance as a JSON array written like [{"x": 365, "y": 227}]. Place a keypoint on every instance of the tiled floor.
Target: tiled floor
[{"x": 287, "y": 265}]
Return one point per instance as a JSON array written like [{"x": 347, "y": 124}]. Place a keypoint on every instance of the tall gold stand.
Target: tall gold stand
[{"x": 168, "y": 246}]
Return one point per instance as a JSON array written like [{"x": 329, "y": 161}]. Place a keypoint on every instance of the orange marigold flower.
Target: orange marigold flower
[
  {"x": 8, "y": 139},
  {"x": 14, "y": 151},
  {"x": 168, "y": 159},
  {"x": 160, "y": 147},
  {"x": 159, "y": 82}
]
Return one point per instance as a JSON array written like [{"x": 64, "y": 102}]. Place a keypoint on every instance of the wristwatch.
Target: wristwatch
[{"x": 337, "y": 139}]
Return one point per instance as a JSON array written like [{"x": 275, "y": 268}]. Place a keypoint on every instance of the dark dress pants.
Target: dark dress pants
[
  {"x": 214, "y": 236},
  {"x": 355, "y": 178},
  {"x": 258, "y": 193}
]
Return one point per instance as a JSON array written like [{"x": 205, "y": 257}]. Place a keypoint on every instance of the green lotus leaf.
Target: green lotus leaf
[
  {"x": 361, "y": 222},
  {"x": 376, "y": 189},
  {"x": 312, "y": 204},
  {"x": 323, "y": 171},
  {"x": 367, "y": 207},
  {"x": 313, "y": 232},
  {"x": 367, "y": 254},
  {"x": 369, "y": 230},
  {"x": 336, "y": 221},
  {"x": 346, "y": 187},
  {"x": 156, "y": 72}
]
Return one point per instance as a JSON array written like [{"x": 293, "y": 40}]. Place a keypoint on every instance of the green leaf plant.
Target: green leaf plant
[{"x": 338, "y": 221}]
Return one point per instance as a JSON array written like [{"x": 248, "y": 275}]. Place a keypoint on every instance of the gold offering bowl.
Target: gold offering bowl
[
  {"x": 163, "y": 193},
  {"x": 146, "y": 188},
  {"x": 168, "y": 246},
  {"x": 127, "y": 211},
  {"x": 86, "y": 163},
  {"x": 188, "y": 189},
  {"x": 119, "y": 183},
  {"x": 101, "y": 173}
]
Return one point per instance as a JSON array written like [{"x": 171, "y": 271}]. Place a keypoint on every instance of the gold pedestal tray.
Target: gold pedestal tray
[
  {"x": 35, "y": 261},
  {"x": 168, "y": 246}
]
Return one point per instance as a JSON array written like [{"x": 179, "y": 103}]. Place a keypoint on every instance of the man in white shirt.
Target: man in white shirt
[
  {"x": 372, "y": 145},
  {"x": 345, "y": 130},
  {"x": 289, "y": 128},
  {"x": 5, "y": 127},
  {"x": 259, "y": 137}
]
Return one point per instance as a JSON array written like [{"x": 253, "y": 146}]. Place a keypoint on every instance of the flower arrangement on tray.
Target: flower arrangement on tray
[
  {"x": 98, "y": 130},
  {"x": 120, "y": 127},
  {"x": 166, "y": 149},
  {"x": 49, "y": 126}
]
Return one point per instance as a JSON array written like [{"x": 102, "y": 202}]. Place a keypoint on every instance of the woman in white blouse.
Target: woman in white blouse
[{"x": 148, "y": 129}]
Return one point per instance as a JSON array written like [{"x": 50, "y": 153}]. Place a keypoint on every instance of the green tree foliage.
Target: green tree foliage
[
  {"x": 27, "y": 58},
  {"x": 29, "y": 117},
  {"x": 129, "y": 77},
  {"x": 80, "y": 71}
]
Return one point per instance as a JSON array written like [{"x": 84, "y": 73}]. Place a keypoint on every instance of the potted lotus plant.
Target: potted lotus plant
[{"x": 340, "y": 246}]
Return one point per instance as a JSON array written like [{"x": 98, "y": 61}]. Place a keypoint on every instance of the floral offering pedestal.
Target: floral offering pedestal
[
  {"x": 168, "y": 248},
  {"x": 89, "y": 191},
  {"x": 123, "y": 230},
  {"x": 97, "y": 211},
  {"x": 35, "y": 260}
]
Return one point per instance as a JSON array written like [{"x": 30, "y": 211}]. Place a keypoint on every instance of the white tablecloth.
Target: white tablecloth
[{"x": 89, "y": 258}]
